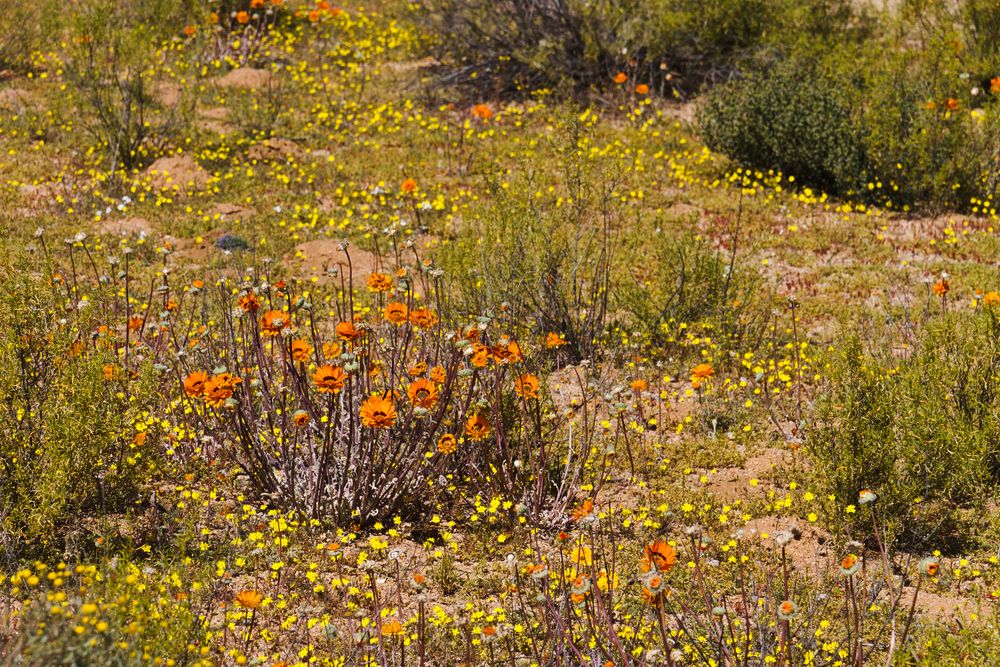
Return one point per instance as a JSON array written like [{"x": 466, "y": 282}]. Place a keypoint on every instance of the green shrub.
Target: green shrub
[
  {"x": 259, "y": 112},
  {"x": 77, "y": 616},
  {"x": 921, "y": 431},
  {"x": 21, "y": 31},
  {"x": 684, "y": 282},
  {"x": 890, "y": 123},
  {"x": 971, "y": 25},
  {"x": 797, "y": 118},
  {"x": 712, "y": 41},
  {"x": 542, "y": 264},
  {"x": 523, "y": 45},
  {"x": 944, "y": 645},
  {"x": 925, "y": 152},
  {"x": 68, "y": 447}
]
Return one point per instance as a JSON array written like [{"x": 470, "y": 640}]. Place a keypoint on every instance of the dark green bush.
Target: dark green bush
[
  {"x": 921, "y": 431},
  {"x": 909, "y": 119},
  {"x": 796, "y": 118}
]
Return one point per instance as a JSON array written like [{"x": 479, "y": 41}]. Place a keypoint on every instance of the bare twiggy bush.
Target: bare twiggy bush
[{"x": 112, "y": 73}]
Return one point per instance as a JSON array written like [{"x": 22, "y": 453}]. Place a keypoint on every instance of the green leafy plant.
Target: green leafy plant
[
  {"x": 22, "y": 26},
  {"x": 797, "y": 118},
  {"x": 919, "y": 431},
  {"x": 685, "y": 282},
  {"x": 68, "y": 443},
  {"x": 910, "y": 127}
]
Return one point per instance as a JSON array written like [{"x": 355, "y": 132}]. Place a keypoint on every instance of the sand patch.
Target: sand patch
[
  {"x": 230, "y": 212},
  {"x": 126, "y": 227},
  {"x": 273, "y": 150},
  {"x": 178, "y": 172},
  {"x": 246, "y": 78},
  {"x": 327, "y": 261},
  {"x": 14, "y": 99}
]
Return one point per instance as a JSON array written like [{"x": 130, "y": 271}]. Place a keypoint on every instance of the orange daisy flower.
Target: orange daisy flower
[
  {"x": 249, "y": 303},
  {"x": 477, "y": 428},
  {"x": 329, "y": 379},
  {"x": 194, "y": 383},
  {"x": 301, "y": 350},
  {"x": 378, "y": 412},
  {"x": 379, "y": 282},
  {"x": 583, "y": 511},
  {"x": 220, "y": 387},
  {"x": 482, "y": 111},
  {"x": 447, "y": 444},
  {"x": 423, "y": 393},
  {"x": 554, "y": 340},
  {"x": 508, "y": 351},
  {"x": 526, "y": 386},
  {"x": 702, "y": 372},
  {"x": 396, "y": 312},
  {"x": 249, "y": 599},
  {"x": 480, "y": 356},
  {"x": 423, "y": 318},
  {"x": 273, "y": 322},
  {"x": 346, "y": 331},
  {"x": 660, "y": 556}
]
